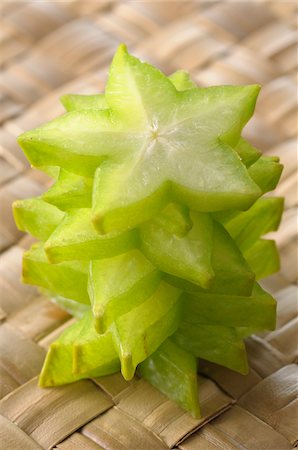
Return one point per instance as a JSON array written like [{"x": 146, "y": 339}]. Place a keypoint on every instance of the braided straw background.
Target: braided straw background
[{"x": 55, "y": 47}]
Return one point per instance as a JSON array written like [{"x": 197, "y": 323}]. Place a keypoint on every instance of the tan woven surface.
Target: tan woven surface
[{"x": 50, "y": 48}]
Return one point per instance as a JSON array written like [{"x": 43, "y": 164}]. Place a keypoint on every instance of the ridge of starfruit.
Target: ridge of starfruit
[{"x": 152, "y": 232}]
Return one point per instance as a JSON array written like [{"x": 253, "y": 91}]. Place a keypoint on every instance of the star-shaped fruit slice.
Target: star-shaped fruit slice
[
  {"x": 189, "y": 256},
  {"x": 215, "y": 343},
  {"x": 37, "y": 217},
  {"x": 232, "y": 274},
  {"x": 138, "y": 333},
  {"x": 76, "y": 239},
  {"x": 70, "y": 191},
  {"x": 117, "y": 285},
  {"x": 247, "y": 226},
  {"x": 173, "y": 371},
  {"x": 266, "y": 172},
  {"x": 157, "y": 144},
  {"x": 68, "y": 279},
  {"x": 79, "y": 353},
  {"x": 257, "y": 311}
]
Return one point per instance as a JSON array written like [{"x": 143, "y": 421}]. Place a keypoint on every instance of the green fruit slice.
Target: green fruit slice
[
  {"x": 73, "y": 307},
  {"x": 263, "y": 258},
  {"x": 248, "y": 154},
  {"x": 218, "y": 344},
  {"x": 232, "y": 273},
  {"x": 257, "y": 311},
  {"x": 70, "y": 191},
  {"x": 266, "y": 172},
  {"x": 93, "y": 351},
  {"x": 59, "y": 364},
  {"x": 57, "y": 367},
  {"x": 68, "y": 279},
  {"x": 75, "y": 102},
  {"x": 141, "y": 331},
  {"x": 175, "y": 219},
  {"x": 164, "y": 144},
  {"x": 173, "y": 371},
  {"x": 36, "y": 217},
  {"x": 187, "y": 257},
  {"x": 247, "y": 226},
  {"x": 76, "y": 239},
  {"x": 181, "y": 80},
  {"x": 117, "y": 285},
  {"x": 51, "y": 171}
]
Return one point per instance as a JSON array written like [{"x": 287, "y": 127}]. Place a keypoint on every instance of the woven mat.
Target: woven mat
[{"x": 50, "y": 48}]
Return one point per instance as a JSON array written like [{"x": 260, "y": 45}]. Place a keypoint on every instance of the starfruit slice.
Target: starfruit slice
[
  {"x": 232, "y": 274},
  {"x": 36, "y": 217},
  {"x": 79, "y": 353},
  {"x": 138, "y": 333},
  {"x": 188, "y": 257},
  {"x": 119, "y": 284},
  {"x": 173, "y": 371},
  {"x": 257, "y": 311},
  {"x": 76, "y": 102},
  {"x": 218, "y": 344},
  {"x": 247, "y": 226},
  {"x": 76, "y": 238},
  {"x": 263, "y": 258},
  {"x": 68, "y": 279},
  {"x": 247, "y": 152},
  {"x": 266, "y": 172},
  {"x": 70, "y": 191},
  {"x": 152, "y": 132}
]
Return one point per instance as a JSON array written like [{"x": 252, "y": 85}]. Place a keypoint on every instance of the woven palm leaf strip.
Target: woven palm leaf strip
[{"x": 55, "y": 47}]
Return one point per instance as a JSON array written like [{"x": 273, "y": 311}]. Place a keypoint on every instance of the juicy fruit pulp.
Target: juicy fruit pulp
[{"x": 151, "y": 234}]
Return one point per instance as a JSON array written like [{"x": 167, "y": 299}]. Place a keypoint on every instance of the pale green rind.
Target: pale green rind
[
  {"x": 141, "y": 331},
  {"x": 257, "y": 311},
  {"x": 266, "y": 172},
  {"x": 76, "y": 239},
  {"x": 68, "y": 279},
  {"x": 70, "y": 191},
  {"x": 247, "y": 152},
  {"x": 117, "y": 285},
  {"x": 247, "y": 226},
  {"x": 36, "y": 217},
  {"x": 173, "y": 371},
  {"x": 218, "y": 344},
  {"x": 76, "y": 102},
  {"x": 187, "y": 257},
  {"x": 263, "y": 258},
  {"x": 232, "y": 274}
]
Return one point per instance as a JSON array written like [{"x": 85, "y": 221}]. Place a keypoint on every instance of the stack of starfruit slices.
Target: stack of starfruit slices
[{"x": 152, "y": 232}]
